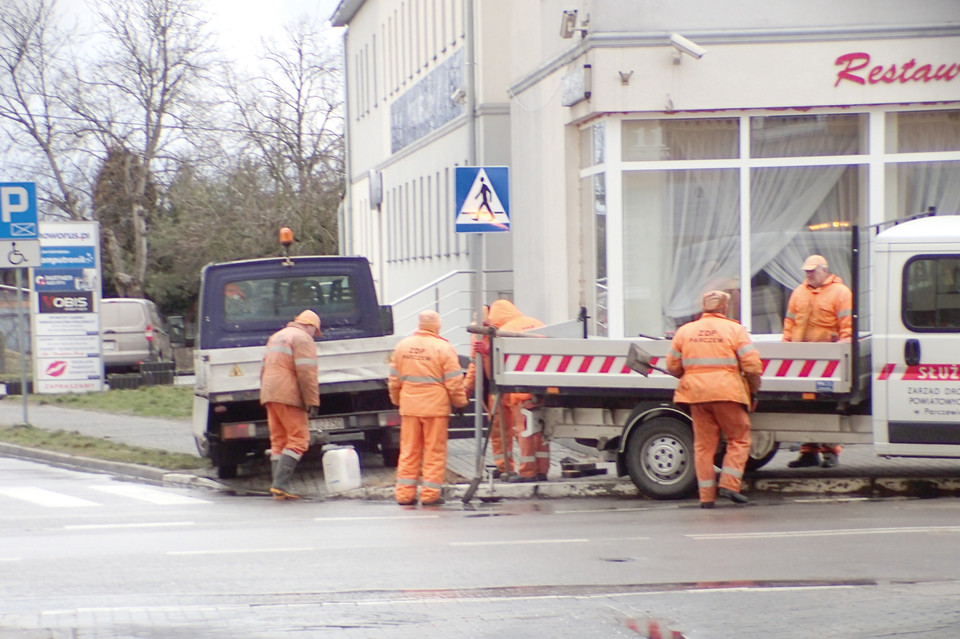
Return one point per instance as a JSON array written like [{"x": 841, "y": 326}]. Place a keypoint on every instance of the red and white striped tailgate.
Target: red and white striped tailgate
[{"x": 562, "y": 363}]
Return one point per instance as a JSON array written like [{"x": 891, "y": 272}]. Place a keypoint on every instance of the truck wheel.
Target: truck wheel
[
  {"x": 225, "y": 460},
  {"x": 391, "y": 456},
  {"x": 762, "y": 449},
  {"x": 659, "y": 458},
  {"x": 227, "y": 471},
  {"x": 203, "y": 446}
]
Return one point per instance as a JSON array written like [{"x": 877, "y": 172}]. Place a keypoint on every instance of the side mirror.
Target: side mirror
[{"x": 178, "y": 330}]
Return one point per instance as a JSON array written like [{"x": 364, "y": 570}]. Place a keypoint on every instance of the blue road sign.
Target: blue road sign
[
  {"x": 18, "y": 211},
  {"x": 483, "y": 199}
]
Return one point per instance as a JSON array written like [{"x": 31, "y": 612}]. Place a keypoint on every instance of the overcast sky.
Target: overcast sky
[{"x": 242, "y": 24}]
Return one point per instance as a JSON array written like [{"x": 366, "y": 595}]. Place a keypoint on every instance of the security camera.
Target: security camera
[
  {"x": 689, "y": 47},
  {"x": 458, "y": 96}
]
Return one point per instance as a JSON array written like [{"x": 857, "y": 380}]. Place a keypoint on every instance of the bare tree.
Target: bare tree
[
  {"x": 31, "y": 68},
  {"x": 291, "y": 117}
]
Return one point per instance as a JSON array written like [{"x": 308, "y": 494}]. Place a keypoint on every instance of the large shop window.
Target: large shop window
[
  {"x": 796, "y": 212},
  {"x": 682, "y": 235}
]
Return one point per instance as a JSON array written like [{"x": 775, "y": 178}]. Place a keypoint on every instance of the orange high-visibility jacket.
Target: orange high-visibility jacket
[
  {"x": 425, "y": 376},
  {"x": 716, "y": 359},
  {"x": 289, "y": 371},
  {"x": 520, "y": 325},
  {"x": 501, "y": 312},
  {"x": 822, "y": 314}
]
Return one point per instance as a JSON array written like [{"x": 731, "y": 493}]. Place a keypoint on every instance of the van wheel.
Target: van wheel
[{"x": 659, "y": 458}]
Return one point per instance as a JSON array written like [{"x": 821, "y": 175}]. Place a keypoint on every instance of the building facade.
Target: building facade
[{"x": 656, "y": 149}]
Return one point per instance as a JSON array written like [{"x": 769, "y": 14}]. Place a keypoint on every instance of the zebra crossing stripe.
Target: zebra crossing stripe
[
  {"x": 45, "y": 497},
  {"x": 149, "y": 495}
]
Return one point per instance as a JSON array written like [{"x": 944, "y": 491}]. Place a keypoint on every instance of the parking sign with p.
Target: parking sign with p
[{"x": 18, "y": 211}]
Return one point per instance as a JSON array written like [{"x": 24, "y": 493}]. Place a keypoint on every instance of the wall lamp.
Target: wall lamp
[
  {"x": 683, "y": 45},
  {"x": 568, "y": 25}
]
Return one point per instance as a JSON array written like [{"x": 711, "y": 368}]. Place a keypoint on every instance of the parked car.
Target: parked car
[{"x": 132, "y": 331}]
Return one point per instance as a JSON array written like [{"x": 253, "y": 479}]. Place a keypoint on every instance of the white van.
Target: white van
[{"x": 132, "y": 331}]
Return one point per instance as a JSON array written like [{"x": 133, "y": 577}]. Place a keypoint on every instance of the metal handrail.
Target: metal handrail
[{"x": 426, "y": 287}]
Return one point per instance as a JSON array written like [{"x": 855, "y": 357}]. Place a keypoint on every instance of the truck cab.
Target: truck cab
[
  {"x": 242, "y": 303},
  {"x": 916, "y": 350}
]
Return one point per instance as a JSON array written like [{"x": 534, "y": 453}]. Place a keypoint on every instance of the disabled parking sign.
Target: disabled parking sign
[{"x": 483, "y": 199}]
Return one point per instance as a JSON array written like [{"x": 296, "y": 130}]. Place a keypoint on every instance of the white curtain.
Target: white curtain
[
  {"x": 927, "y": 184},
  {"x": 702, "y": 220},
  {"x": 787, "y": 201},
  {"x": 704, "y": 223}
]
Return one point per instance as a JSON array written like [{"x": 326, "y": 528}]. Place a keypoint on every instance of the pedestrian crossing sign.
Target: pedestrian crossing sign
[{"x": 483, "y": 199}]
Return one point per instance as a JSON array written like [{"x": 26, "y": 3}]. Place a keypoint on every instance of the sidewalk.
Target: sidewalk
[{"x": 860, "y": 471}]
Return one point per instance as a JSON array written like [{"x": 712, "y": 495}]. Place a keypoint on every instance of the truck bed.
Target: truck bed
[
  {"x": 236, "y": 371},
  {"x": 558, "y": 366}
]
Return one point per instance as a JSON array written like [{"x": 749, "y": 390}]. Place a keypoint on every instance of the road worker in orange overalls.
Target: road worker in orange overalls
[
  {"x": 497, "y": 314},
  {"x": 289, "y": 392},
  {"x": 719, "y": 370},
  {"x": 820, "y": 310},
  {"x": 426, "y": 380},
  {"x": 534, "y": 449}
]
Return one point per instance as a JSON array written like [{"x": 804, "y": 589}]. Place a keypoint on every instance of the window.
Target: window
[
  {"x": 807, "y": 135},
  {"x": 279, "y": 299},
  {"x": 931, "y": 294},
  {"x": 796, "y": 212},
  {"x": 693, "y": 139},
  {"x": 919, "y": 131},
  {"x": 681, "y": 234}
]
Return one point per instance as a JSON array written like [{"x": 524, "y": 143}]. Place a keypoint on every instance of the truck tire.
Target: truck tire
[
  {"x": 761, "y": 452},
  {"x": 225, "y": 460},
  {"x": 227, "y": 471},
  {"x": 391, "y": 456},
  {"x": 659, "y": 458}
]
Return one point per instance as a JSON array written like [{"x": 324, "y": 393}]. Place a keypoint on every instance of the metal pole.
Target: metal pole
[
  {"x": 22, "y": 341},
  {"x": 476, "y": 245}
]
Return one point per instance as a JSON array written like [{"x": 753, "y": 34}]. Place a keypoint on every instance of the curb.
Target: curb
[
  {"x": 77, "y": 462},
  {"x": 927, "y": 487}
]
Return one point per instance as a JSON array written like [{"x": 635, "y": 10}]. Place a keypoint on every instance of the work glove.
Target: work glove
[
  {"x": 313, "y": 411},
  {"x": 479, "y": 346}
]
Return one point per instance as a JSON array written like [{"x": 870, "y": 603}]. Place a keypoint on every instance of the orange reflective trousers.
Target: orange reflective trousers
[
  {"x": 423, "y": 452},
  {"x": 502, "y": 452},
  {"x": 709, "y": 420},
  {"x": 289, "y": 428}
]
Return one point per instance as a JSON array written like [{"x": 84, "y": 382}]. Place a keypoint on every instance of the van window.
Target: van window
[
  {"x": 119, "y": 314},
  {"x": 931, "y": 293},
  {"x": 283, "y": 298}
]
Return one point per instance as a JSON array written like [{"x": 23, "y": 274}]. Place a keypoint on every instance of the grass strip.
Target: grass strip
[
  {"x": 165, "y": 402},
  {"x": 73, "y": 443}
]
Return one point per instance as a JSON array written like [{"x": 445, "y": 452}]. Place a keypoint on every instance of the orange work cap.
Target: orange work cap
[
  {"x": 814, "y": 261},
  {"x": 714, "y": 301}
]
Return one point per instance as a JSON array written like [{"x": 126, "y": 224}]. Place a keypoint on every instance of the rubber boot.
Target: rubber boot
[
  {"x": 281, "y": 479},
  {"x": 805, "y": 460},
  {"x": 830, "y": 460}
]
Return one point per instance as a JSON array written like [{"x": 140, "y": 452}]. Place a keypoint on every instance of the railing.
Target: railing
[{"x": 451, "y": 296}]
